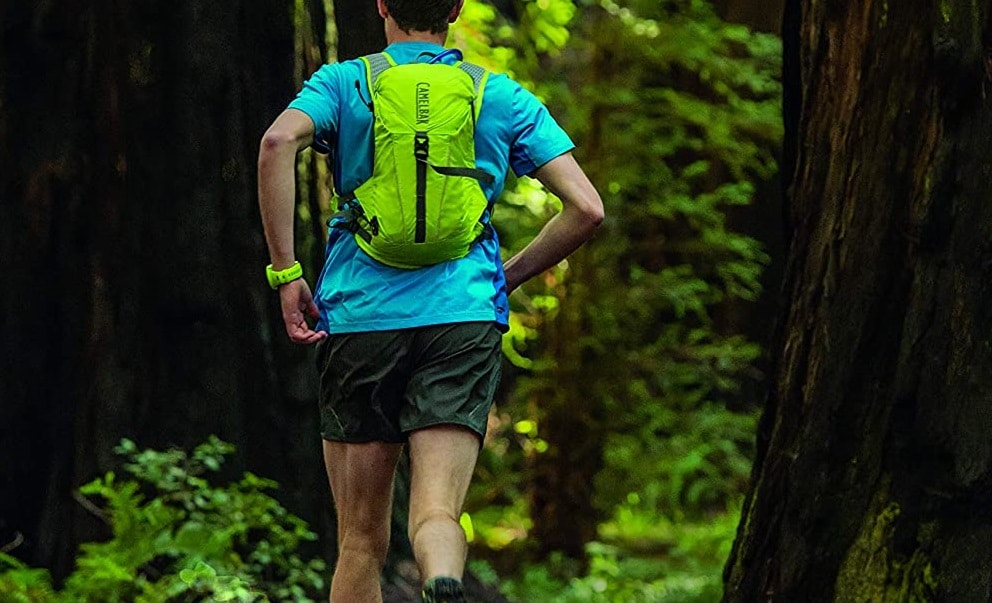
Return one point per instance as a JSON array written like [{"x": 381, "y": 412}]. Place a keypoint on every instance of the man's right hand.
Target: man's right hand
[{"x": 297, "y": 306}]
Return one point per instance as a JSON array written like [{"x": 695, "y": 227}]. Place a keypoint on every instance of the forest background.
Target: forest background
[{"x": 137, "y": 318}]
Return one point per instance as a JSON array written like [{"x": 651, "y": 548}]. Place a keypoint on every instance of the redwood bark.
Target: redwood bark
[
  {"x": 135, "y": 302},
  {"x": 873, "y": 480}
]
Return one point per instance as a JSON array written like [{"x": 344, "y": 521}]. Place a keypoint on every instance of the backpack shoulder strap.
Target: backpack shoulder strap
[
  {"x": 375, "y": 64},
  {"x": 479, "y": 77},
  {"x": 479, "y": 74}
]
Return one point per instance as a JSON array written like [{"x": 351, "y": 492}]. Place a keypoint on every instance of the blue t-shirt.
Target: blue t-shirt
[{"x": 356, "y": 293}]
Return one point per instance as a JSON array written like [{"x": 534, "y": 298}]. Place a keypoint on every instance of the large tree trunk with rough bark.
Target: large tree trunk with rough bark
[
  {"x": 873, "y": 480},
  {"x": 134, "y": 301}
]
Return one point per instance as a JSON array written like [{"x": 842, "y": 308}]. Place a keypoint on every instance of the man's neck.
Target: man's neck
[{"x": 395, "y": 34}]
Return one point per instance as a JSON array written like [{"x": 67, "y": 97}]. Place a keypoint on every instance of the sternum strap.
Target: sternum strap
[{"x": 480, "y": 175}]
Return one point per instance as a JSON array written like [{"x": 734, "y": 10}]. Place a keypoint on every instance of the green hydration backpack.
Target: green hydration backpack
[{"x": 423, "y": 203}]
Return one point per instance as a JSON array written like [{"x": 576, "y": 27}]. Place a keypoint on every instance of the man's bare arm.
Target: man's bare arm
[
  {"x": 581, "y": 215},
  {"x": 291, "y": 132}
]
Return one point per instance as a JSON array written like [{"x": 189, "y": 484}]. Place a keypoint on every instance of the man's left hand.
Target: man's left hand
[{"x": 297, "y": 306}]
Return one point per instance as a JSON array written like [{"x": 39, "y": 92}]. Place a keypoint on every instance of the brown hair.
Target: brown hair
[{"x": 421, "y": 15}]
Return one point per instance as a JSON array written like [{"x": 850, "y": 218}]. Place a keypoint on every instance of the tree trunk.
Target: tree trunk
[
  {"x": 360, "y": 28},
  {"x": 873, "y": 480},
  {"x": 561, "y": 485},
  {"x": 135, "y": 303}
]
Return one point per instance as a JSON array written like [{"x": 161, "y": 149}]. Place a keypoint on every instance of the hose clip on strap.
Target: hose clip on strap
[{"x": 351, "y": 218}]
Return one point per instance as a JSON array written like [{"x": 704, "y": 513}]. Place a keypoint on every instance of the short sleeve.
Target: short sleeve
[
  {"x": 537, "y": 136},
  {"x": 319, "y": 99}
]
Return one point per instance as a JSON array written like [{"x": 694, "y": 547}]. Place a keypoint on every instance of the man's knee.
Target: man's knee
[{"x": 368, "y": 544}]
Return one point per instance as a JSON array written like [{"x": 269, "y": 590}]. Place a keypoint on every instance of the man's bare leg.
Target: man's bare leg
[
  {"x": 361, "y": 477},
  {"x": 442, "y": 460}
]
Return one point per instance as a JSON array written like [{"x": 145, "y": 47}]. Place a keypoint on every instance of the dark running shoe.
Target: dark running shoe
[{"x": 443, "y": 590}]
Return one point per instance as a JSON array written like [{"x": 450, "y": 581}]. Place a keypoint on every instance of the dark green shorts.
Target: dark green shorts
[{"x": 381, "y": 385}]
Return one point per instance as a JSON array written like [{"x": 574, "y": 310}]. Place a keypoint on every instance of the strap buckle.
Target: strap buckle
[
  {"x": 421, "y": 146},
  {"x": 354, "y": 220}
]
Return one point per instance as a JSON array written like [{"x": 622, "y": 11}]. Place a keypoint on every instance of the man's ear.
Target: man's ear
[
  {"x": 454, "y": 11},
  {"x": 383, "y": 11}
]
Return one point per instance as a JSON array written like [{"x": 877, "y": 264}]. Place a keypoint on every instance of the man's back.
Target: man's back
[{"x": 355, "y": 292}]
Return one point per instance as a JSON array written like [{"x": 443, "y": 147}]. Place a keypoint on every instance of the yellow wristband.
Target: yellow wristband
[{"x": 281, "y": 277}]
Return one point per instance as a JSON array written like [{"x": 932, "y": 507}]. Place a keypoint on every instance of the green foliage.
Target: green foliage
[
  {"x": 22, "y": 584},
  {"x": 676, "y": 116},
  {"x": 516, "y": 48},
  {"x": 682, "y": 113},
  {"x": 177, "y": 537},
  {"x": 694, "y": 459},
  {"x": 476, "y": 33},
  {"x": 640, "y": 558}
]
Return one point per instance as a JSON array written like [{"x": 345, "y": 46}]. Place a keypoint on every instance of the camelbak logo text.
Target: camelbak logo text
[{"x": 423, "y": 102}]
